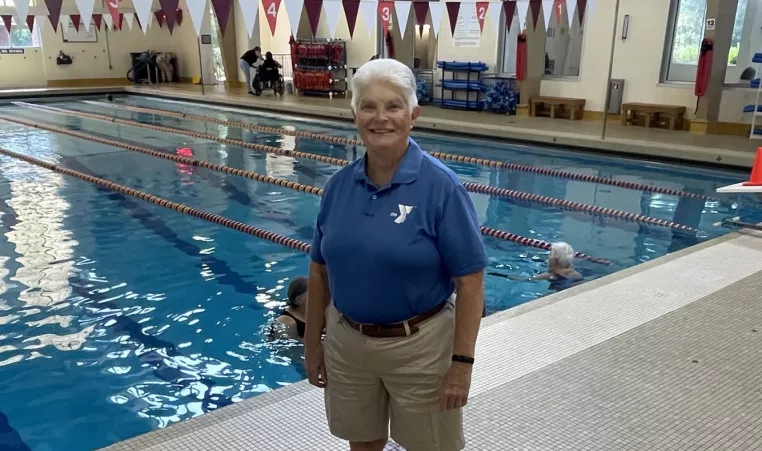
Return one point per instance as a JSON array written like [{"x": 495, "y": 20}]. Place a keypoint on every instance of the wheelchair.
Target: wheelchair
[{"x": 268, "y": 78}]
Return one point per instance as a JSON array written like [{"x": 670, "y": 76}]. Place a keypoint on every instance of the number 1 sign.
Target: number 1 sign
[{"x": 271, "y": 11}]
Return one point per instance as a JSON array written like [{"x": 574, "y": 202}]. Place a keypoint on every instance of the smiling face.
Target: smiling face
[{"x": 383, "y": 119}]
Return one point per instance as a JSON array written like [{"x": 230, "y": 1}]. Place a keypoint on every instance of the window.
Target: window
[
  {"x": 563, "y": 42},
  {"x": 19, "y": 37}
]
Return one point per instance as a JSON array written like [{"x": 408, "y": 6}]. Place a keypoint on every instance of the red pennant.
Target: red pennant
[
  {"x": 271, "y": 11},
  {"x": 98, "y": 19},
  {"x": 313, "y": 8},
  {"x": 169, "y": 9},
  {"x": 75, "y": 20},
  {"x": 30, "y": 23},
  {"x": 559, "y": 7},
  {"x": 509, "y": 8},
  {"x": 421, "y": 12},
  {"x": 581, "y": 5},
  {"x": 179, "y": 17},
  {"x": 222, "y": 11},
  {"x": 121, "y": 21},
  {"x": 113, "y": 8},
  {"x": 159, "y": 18},
  {"x": 7, "y": 21},
  {"x": 535, "y": 6},
  {"x": 351, "y": 7},
  {"x": 452, "y": 14},
  {"x": 54, "y": 12},
  {"x": 481, "y": 14},
  {"x": 385, "y": 11}
]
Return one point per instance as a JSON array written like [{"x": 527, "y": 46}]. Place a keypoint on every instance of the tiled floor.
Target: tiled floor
[{"x": 664, "y": 356}]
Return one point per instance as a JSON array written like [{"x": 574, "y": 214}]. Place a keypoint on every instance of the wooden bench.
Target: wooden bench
[
  {"x": 554, "y": 107},
  {"x": 669, "y": 115}
]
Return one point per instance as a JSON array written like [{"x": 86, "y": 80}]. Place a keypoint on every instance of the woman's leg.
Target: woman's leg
[{"x": 247, "y": 72}]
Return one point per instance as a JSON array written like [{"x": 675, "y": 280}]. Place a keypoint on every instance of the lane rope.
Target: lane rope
[
  {"x": 487, "y": 231},
  {"x": 440, "y": 155},
  {"x": 472, "y": 187},
  {"x": 195, "y": 212}
]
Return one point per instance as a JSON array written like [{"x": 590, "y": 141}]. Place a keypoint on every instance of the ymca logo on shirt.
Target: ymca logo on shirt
[{"x": 400, "y": 217}]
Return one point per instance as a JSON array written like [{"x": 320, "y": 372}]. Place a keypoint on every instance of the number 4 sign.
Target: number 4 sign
[
  {"x": 271, "y": 11},
  {"x": 481, "y": 13}
]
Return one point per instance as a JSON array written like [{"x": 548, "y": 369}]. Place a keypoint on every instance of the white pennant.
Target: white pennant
[
  {"x": 370, "y": 16},
  {"x": 143, "y": 11},
  {"x": 571, "y": 8},
  {"x": 494, "y": 11},
  {"x": 63, "y": 22},
  {"x": 250, "y": 10},
  {"x": 402, "y": 9},
  {"x": 294, "y": 11},
  {"x": 129, "y": 19},
  {"x": 85, "y": 8},
  {"x": 435, "y": 9},
  {"x": 523, "y": 7},
  {"x": 196, "y": 9},
  {"x": 332, "y": 12},
  {"x": 22, "y": 9},
  {"x": 589, "y": 8},
  {"x": 109, "y": 21},
  {"x": 547, "y": 10}
]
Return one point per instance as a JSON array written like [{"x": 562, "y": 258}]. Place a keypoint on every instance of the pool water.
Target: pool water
[{"x": 118, "y": 317}]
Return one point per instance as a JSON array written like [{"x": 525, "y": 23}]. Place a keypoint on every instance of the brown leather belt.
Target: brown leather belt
[{"x": 402, "y": 329}]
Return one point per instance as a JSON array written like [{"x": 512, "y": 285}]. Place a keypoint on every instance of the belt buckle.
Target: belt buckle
[{"x": 366, "y": 329}]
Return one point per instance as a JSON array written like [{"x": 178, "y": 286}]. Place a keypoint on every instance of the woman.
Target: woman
[
  {"x": 252, "y": 58},
  {"x": 291, "y": 321},
  {"x": 561, "y": 273},
  {"x": 396, "y": 238}
]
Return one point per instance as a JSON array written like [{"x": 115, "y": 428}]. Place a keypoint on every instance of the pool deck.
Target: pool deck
[
  {"x": 652, "y": 143},
  {"x": 663, "y": 356}
]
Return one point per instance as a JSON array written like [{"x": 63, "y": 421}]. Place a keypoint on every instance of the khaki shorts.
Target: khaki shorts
[{"x": 373, "y": 382}]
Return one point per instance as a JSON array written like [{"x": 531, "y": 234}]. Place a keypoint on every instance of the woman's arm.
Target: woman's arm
[
  {"x": 318, "y": 296},
  {"x": 468, "y": 312},
  {"x": 280, "y": 66}
]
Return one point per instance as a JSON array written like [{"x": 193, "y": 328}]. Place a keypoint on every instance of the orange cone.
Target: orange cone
[{"x": 756, "y": 172}]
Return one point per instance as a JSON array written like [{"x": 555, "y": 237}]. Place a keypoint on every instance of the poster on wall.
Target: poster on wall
[
  {"x": 11, "y": 51},
  {"x": 70, "y": 34},
  {"x": 467, "y": 32}
]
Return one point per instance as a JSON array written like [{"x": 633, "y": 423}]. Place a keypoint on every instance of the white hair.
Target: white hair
[
  {"x": 562, "y": 253},
  {"x": 384, "y": 70}
]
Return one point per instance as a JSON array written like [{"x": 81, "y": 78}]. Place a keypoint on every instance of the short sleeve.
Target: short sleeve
[{"x": 459, "y": 238}]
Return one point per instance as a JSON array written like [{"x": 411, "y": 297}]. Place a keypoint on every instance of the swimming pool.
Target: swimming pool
[{"x": 118, "y": 317}]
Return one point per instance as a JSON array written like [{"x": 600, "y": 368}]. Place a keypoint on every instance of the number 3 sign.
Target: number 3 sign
[
  {"x": 385, "y": 13},
  {"x": 271, "y": 11}
]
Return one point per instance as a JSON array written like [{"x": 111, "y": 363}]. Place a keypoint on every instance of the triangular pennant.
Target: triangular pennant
[
  {"x": 159, "y": 15},
  {"x": 313, "y": 8},
  {"x": 98, "y": 19},
  {"x": 435, "y": 9},
  {"x": 169, "y": 10},
  {"x": 370, "y": 16},
  {"x": 523, "y": 7},
  {"x": 385, "y": 14},
  {"x": 143, "y": 13},
  {"x": 30, "y": 23},
  {"x": 452, "y": 13},
  {"x": 8, "y": 21},
  {"x": 294, "y": 11},
  {"x": 129, "y": 19},
  {"x": 222, "y": 11},
  {"x": 421, "y": 14},
  {"x": 22, "y": 9},
  {"x": 54, "y": 12},
  {"x": 481, "y": 14},
  {"x": 402, "y": 8},
  {"x": 351, "y": 7},
  {"x": 547, "y": 11},
  {"x": 85, "y": 8},
  {"x": 63, "y": 21},
  {"x": 510, "y": 12},
  {"x": 271, "y": 8},
  {"x": 571, "y": 7},
  {"x": 75, "y": 20},
  {"x": 113, "y": 9},
  {"x": 495, "y": 8},
  {"x": 196, "y": 8},
  {"x": 249, "y": 12},
  {"x": 581, "y": 6},
  {"x": 109, "y": 21},
  {"x": 332, "y": 13},
  {"x": 535, "y": 6}
]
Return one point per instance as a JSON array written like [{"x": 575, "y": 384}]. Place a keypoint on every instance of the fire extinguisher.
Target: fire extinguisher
[
  {"x": 704, "y": 69},
  {"x": 521, "y": 58}
]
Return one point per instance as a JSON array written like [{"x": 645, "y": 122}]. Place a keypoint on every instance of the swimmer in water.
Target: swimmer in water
[{"x": 561, "y": 273}]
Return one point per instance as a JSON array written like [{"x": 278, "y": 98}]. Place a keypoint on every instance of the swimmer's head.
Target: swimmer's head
[
  {"x": 110, "y": 97},
  {"x": 297, "y": 292},
  {"x": 561, "y": 255}
]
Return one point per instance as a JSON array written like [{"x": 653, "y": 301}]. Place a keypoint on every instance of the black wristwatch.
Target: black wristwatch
[{"x": 462, "y": 359}]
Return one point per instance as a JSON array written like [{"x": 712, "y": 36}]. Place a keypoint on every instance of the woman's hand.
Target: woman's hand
[
  {"x": 453, "y": 393},
  {"x": 314, "y": 363}
]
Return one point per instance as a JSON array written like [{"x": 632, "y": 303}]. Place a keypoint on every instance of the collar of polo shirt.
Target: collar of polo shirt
[{"x": 407, "y": 172}]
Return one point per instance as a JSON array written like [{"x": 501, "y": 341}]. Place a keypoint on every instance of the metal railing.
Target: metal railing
[{"x": 285, "y": 60}]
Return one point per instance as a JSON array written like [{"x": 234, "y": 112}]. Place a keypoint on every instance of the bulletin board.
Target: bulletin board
[{"x": 70, "y": 34}]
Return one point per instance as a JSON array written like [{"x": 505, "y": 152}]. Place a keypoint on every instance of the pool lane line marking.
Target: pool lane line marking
[
  {"x": 440, "y": 155},
  {"x": 245, "y": 228},
  {"x": 469, "y": 186}
]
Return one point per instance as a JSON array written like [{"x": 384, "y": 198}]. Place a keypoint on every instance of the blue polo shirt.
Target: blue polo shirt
[{"x": 392, "y": 252}]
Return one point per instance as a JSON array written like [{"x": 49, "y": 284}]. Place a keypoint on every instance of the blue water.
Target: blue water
[{"x": 118, "y": 317}]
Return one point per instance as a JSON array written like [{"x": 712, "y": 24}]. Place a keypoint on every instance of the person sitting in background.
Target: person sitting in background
[
  {"x": 292, "y": 319},
  {"x": 561, "y": 273},
  {"x": 252, "y": 58}
]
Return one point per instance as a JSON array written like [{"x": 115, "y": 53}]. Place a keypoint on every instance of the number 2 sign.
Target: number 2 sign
[
  {"x": 481, "y": 13},
  {"x": 385, "y": 13},
  {"x": 271, "y": 11}
]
